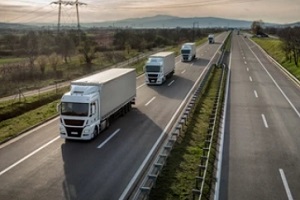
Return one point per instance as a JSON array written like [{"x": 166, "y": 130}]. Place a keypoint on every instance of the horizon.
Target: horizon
[{"x": 42, "y": 11}]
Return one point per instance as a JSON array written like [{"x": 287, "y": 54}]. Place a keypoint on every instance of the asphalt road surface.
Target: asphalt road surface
[
  {"x": 40, "y": 165},
  {"x": 261, "y": 157}
]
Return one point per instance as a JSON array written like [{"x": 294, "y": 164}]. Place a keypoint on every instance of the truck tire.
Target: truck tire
[{"x": 95, "y": 133}]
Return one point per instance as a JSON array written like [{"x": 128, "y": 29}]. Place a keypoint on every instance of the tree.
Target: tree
[
  {"x": 291, "y": 43},
  {"x": 66, "y": 46},
  {"x": 53, "y": 61},
  {"x": 87, "y": 49},
  {"x": 10, "y": 41},
  {"x": 256, "y": 27},
  {"x": 29, "y": 42},
  {"x": 42, "y": 62}
]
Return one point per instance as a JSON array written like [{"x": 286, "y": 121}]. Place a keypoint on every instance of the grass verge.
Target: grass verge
[
  {"x": 12, "y": 127},
  {"x": 178, "y": 176},
  {"x": 274, "y": 48}
]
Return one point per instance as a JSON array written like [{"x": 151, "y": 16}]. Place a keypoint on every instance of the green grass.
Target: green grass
[
  {"x": 274, "y": 48},
  {"x": 139, "y": 66},
  {"x": 10, "y": 60},
  {"x": 178, "y": 176},
  {"x": 12, "y": 127}
]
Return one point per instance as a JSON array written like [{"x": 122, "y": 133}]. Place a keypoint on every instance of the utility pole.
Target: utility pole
[{"x": 71, "y": 3}]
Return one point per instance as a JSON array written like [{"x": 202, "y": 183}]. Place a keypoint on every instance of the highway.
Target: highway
[
  {"x": 262, "y": 139},
  {"x": 40, "y": 165}
]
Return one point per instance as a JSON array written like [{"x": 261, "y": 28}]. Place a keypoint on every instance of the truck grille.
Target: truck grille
[
  {"x": 152, "y": 78},
  {"x": 74, "y": 132},
  {"x": 185, "y": 58},
  {"x": 72, "y": 122}
]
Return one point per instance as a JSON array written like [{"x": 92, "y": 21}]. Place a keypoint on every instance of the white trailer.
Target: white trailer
[
  {"x": 95, "y": 101},
  {"x": 211, "y": 38},
  {"x": 188, "y": 51},
  {"x": 159, "y": 67}
]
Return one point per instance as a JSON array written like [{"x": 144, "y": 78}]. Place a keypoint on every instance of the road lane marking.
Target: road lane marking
[
  {"x": 29, "y": 155},
  {"x": 244, "y": 58},
  {"x": 142, "y": 166},
  {"x": 286, "y": 185},
  {"x": 112, "y": 135},
  {"x": 279, "y": 88},
  {"x": 250, "y": 78},
  {"x": 150, "y": 101},
  {"x": 264, "y": 120},
  {"x": 177, "y": 62},
  {"x": 141, "y": 86},
  {"x": 247, "y": 69},
  {"x": 245, "y": 62},
  {"x": 183, "y": 71},
  {"x": 171, "y": 83},
  {"x": 255, "y": 93}
]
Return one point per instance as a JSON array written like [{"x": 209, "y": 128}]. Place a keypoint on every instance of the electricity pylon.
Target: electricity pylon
[{"x": 71, "y": 3}]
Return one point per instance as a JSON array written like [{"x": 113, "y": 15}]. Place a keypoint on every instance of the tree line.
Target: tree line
[
  {"x": 290, "y": 37},
  {"x": 45, "y": 52}
]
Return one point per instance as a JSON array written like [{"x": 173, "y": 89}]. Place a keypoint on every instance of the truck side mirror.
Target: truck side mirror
[
  {"x": 93, "y": 109},
  {"x": 58, "y": 107}
]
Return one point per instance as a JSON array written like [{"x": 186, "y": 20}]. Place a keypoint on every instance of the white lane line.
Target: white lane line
[
  {"x": 183, "y": 71},
  {"x": 112, "y": 135},
  {"x": 29, "y": 155},
  {"x": 244, "y": 58},
  {"x": 150, "y": 101},
  {"x": 250, "y": 78},
  {"x": 264, "y": 120},
  {"x": 286, "y": 185},
  {"x": 177, "y": 62},
  {"x": 141, "y": 86},
  {"x": 255, "y": 93},
  {"x": 247, "y": 69},
  {"x": 245, "y": 62},
  {"x": 134, "y": 178},
  {"x": 171, "y": 83},
  {"x": 279, "y": 88}
]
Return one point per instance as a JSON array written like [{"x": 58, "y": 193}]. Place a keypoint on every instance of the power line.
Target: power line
[{"x": 65, "y": 3}]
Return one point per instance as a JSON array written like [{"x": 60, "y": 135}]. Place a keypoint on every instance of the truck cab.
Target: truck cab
[
  {"x": 211, "y": 38},
  {"x": 79, "y": 110},
  {"x": 154, "y": 71},
  {"x": 188, "y": 52},
  {"x": 159, "y": 67}
]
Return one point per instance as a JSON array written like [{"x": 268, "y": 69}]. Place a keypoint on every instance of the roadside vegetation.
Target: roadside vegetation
[
  {"x": 34, "y": 59},
  {"x": 274, "y": 48},
  {"x": 284, "y": 47},
  {"x": 177, "y": 179},
  {"x": 21, "y": 70}
]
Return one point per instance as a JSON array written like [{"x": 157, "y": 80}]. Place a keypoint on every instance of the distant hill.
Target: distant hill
[
  {"x": 158, "y": 21},
  {"x": 5, "y": 26},
  {"x": 165, "y": 21}
]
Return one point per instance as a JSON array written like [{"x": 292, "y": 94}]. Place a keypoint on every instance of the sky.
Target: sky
[{"x": 41, "y": 11}]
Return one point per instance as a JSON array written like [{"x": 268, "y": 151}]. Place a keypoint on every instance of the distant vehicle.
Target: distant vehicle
[
  {"x": 159, "y": 67},
  {"x": 94, "y": 101},
  {"x": 211, "y": 38},
  {"x": 188, "y": 52}
]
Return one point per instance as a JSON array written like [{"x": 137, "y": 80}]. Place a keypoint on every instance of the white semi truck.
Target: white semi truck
[
  {"x": 94, "y": 101},
  {"x": 211, "y": 38},
  {"x": 188, "y": 51},
  {"x": 159, "y": 67}
]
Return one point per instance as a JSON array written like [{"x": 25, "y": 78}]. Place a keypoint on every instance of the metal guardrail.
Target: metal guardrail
[
  {"x": 211, "y": 138},
  {"x": 161, "y": 159}
]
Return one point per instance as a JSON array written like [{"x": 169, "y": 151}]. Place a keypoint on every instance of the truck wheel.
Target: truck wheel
[
  {"x": 107, "y": 123},
  {"x": 95, "y": 133}
]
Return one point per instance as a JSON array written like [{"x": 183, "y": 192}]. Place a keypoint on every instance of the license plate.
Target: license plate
[{"x": 74, "y": 133}]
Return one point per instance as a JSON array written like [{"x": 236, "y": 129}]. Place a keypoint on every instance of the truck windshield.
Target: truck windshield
[
  {"x": 185, "y": 51},
  {"x": 152, "y": 68},
  {"x": 74, "y": 109}
]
